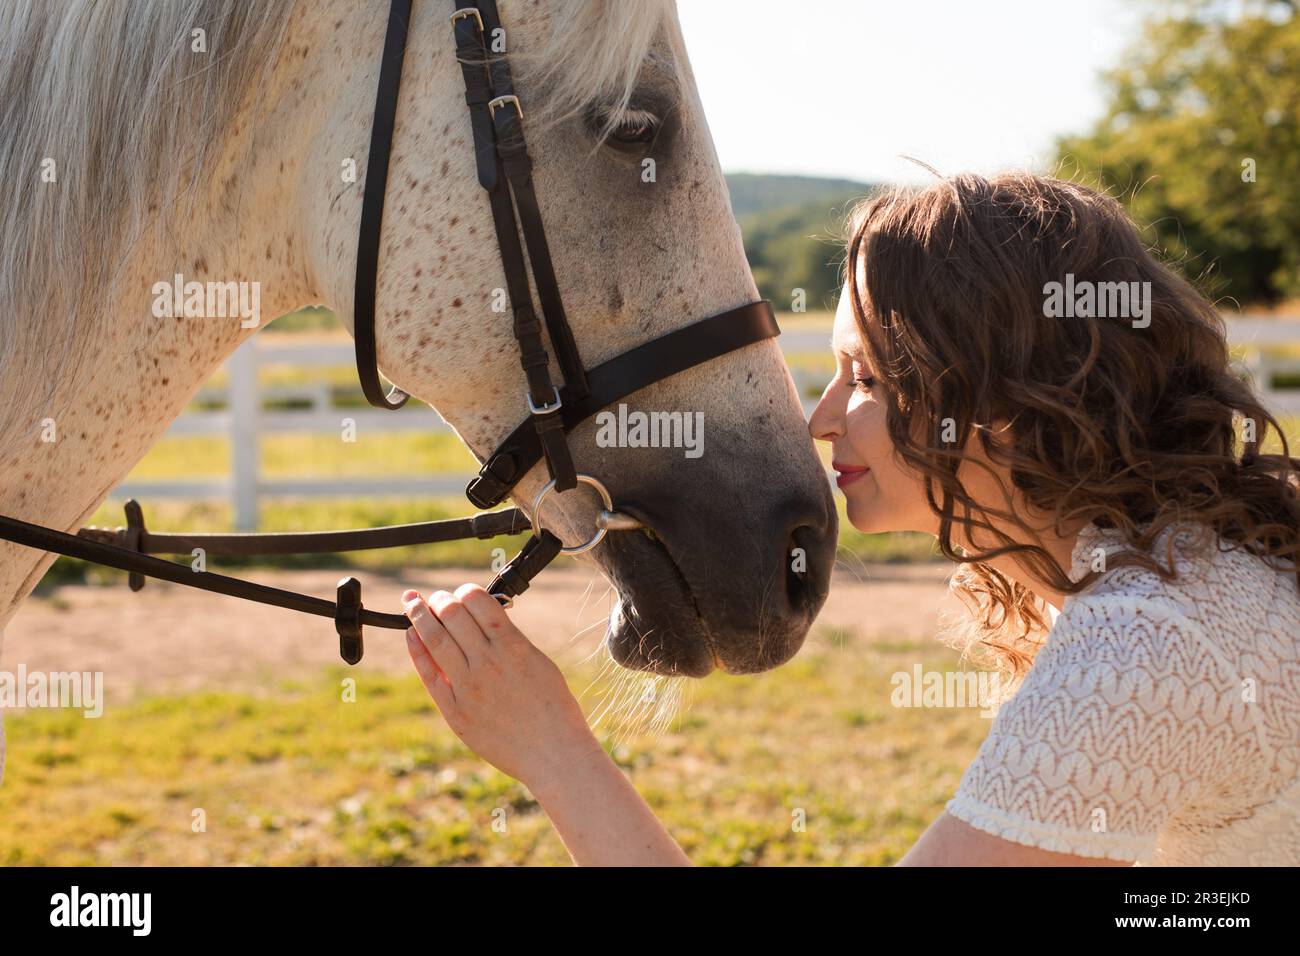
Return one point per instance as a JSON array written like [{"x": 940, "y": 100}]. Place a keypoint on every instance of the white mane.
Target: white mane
[
  {"x": 112, "y": 94},
  {"x": 595, "y": 51}
]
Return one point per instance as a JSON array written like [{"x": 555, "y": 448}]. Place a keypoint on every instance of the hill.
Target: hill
[
  {"x": 792, "y": 227},
  {"x": 757, "y": 192}
]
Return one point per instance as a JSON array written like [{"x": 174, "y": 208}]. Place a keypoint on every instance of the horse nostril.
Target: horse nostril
[{"x": 800, "y": 582}]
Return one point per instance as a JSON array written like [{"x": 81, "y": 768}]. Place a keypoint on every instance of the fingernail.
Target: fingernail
[{"x": 410, "y": 595}]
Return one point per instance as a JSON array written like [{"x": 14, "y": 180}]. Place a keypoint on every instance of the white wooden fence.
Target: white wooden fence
[{"x": 244, "y": 419}]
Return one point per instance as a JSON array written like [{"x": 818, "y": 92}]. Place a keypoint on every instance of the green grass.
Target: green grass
[
  {"x": 290, "y": 774},
  {"x": 311, "y": 455},
  {"x": 310, "y": 319},
  {"x": 293, "y": 775}
]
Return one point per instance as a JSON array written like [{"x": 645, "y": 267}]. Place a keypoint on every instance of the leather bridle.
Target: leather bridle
[{"x": 505, "y": 172}]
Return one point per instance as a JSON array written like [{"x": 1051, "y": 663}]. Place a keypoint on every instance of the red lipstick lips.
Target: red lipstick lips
[{"x": 847, "y": 474}]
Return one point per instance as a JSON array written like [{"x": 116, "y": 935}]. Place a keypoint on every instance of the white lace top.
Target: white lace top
[{"x": 1160, "y": 723}]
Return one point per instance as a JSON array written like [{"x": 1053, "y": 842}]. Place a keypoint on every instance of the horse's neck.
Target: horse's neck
[
  {"x": 142, "y": 371},
  {"x": 139, "y": 377}
]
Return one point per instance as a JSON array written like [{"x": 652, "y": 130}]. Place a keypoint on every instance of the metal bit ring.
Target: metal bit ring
[{"x": 608, "y": 519}]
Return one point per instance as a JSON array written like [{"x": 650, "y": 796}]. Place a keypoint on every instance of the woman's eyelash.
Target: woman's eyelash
[{"x": 864, "y": 382}]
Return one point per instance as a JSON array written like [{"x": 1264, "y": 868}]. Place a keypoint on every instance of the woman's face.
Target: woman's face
[{"x": 881, "y": 495}]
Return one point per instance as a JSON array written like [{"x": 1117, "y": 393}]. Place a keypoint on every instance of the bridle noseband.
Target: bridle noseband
[{"x": 505, "y": 172}]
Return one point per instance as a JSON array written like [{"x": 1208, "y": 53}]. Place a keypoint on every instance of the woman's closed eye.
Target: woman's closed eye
[{"x": 861, "y": 379}]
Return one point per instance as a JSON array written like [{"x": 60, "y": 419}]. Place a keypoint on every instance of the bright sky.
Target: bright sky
[{"x": 975, "y": 85}]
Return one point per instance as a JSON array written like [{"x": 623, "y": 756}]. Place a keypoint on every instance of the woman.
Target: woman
[{"x": 1020, "y": 378}]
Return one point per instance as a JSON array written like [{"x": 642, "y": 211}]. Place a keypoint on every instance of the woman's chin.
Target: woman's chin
[
  {"x": 868, "y": 514},
  {"x": 866, "y": 518}
]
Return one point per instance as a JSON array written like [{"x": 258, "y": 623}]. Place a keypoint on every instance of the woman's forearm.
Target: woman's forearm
[{"x": 601, "y": 818}]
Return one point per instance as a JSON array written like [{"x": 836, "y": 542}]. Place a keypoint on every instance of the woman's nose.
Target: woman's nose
[{"x": 827, "y": 420}]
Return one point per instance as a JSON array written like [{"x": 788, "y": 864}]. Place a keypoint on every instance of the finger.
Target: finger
[
  {"x": 442, "y": 647},
  {"x": 488, "y": 613},
  {"x": 459, "y": 624},
  {"x": 434, "y": 682},
  {"x": 412, "y": 632},
  {"x": 429, "y": 672}
]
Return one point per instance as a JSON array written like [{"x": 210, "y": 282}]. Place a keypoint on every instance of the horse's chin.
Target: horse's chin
[
  {"x": 656, "y": 625},
  {"x": 666, "y": 649}
]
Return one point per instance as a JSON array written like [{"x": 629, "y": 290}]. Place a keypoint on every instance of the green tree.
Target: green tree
[{"x": 1202, "y": 140}]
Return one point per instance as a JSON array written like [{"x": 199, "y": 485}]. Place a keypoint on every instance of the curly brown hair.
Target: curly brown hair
[{"x": 1130, "y": 427}]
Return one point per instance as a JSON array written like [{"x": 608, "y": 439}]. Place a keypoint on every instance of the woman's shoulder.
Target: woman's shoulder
[
  {"x": 1220, "y": 592},
  {"x": 1215, "y": 648},
  {"x": 1115, "y": 649}
]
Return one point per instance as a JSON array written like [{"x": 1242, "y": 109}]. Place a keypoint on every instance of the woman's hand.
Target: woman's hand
[
  {"x": 502, "y": 696},
  {"x": 509, "y": 703}
]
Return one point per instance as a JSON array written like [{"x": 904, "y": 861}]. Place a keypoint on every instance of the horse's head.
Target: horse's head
[{"x": 740, "y": 525}]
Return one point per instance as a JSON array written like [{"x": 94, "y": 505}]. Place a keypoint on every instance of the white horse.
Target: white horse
[{"x": 213, "y": 139}]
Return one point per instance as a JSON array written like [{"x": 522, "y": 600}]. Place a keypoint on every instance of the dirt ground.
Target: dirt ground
[{"x": 168, "y": 638}]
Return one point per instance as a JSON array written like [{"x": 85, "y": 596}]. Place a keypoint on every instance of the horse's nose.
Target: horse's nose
[
  {"x": 782, "y": 587},
  {"x": 809, "y": 526},
  {"x": 807, "y": 575}
]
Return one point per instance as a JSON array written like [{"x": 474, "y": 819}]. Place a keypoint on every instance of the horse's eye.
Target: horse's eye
[{"x": 636, "y": 128}]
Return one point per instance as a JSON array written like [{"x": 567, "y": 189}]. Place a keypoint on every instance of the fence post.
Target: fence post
[{"x": 243, "y": 401}]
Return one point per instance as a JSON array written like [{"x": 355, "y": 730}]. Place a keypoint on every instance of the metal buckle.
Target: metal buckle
[
  {"x": 468, "y": 12},
  {"x": 502, "y": 101},
  {"x": 608, "y": 519},
  {"x": 545, "y": 409}
]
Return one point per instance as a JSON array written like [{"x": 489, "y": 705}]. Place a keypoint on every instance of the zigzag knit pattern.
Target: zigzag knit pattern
[{"x": 1160, "y": 723}]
